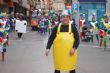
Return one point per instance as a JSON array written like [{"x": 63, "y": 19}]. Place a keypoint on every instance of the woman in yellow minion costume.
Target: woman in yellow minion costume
[{"x": 65, "y": 40}]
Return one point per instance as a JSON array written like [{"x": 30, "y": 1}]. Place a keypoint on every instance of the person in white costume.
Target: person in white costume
[{"x": 20, "y": 26}]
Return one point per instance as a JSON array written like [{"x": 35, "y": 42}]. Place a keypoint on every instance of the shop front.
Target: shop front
[{"x": 92, "y": 7}]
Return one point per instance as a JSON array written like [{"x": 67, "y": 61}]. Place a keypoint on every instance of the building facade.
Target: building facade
[
  {"x": 93, "y": 7},
  {"x": 58, "y": 5},
  {"x": 88, "y": 7},
  {"x": 108, "y": 6},
  {"x": 23, "y": 6},
  {"x": 17, "y": 6},
  {"x": 6, "y": 6}
]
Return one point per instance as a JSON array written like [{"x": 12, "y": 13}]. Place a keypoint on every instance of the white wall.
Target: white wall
[
  {"x": 25, "y": 4},
  {"x": 108, "y": 6}
]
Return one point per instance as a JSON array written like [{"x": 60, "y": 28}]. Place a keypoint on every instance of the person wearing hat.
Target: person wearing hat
[
  {"x": 95, "y": 26},
  {"x": 106, "y": 22},
  {"x": 65, "y": 40},
  {"x": 82, "y": 26},
  {"x": 3, "y": 37}
]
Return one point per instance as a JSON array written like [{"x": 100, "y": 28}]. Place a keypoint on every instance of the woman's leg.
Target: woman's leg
[
  {"x": 72, "y": 71},
  {"x": 18, "y": 35},
  {"x": 57, "y": 71},
  {"x": 97, "y": 37},
  {"x": 21, "y": 35}
]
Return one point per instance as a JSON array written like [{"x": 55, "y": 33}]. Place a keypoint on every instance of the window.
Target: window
[
  {"x": 38, "y": 0},
  {"x": 7, "y": 0}
]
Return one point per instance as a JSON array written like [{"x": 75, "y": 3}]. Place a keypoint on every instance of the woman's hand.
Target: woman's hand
[
  {"x": 72, "y": 52},
  {"x": 47, "y": 52}
]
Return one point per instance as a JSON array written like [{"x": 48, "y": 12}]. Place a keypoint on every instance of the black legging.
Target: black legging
[
  {"x": 72, "y": 71},
  {"x": 20, "y": 35}
]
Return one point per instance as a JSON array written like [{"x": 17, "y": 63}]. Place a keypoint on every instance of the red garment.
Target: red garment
[{"x": 82, "y": 23}]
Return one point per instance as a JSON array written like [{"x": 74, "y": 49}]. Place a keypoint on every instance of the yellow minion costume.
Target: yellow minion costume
[
  {"x": 63, "y": 44},
  {"x": 64, "y": 38}
]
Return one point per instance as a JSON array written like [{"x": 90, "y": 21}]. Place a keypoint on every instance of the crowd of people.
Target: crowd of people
[
  {"x": 8, "y": 24},
  {"x": 63, "y": 34},
  {"x": 45, "y": 22},
  {"x": 101, "y": 30}
]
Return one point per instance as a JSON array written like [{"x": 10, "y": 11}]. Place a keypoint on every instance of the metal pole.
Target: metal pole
[{"x": 75, "y": 8}]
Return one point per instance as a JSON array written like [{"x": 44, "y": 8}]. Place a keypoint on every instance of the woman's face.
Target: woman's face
[
  {"x": 93, "y": 19},
  {"x": 65, "y": 19},
  {"x": 106, "y": 19},
  {"x": 82, "y": 17}
]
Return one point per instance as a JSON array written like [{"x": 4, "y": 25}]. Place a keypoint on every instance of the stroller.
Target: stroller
[{"x": 86, "y": 34}]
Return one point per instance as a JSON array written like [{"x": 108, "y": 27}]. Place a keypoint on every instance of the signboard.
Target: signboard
[
  {"x": 68, "y": 6},
  {"x": 75, "y": 6},
  {"x": 21, "y": 26},
  {"x": 75, "y": 12}
]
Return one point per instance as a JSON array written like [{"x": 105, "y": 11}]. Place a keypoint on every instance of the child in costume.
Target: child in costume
[
  {"x": 82, "y": 26},
  {"x": 105, "y": 29},
  {"x": 3, "y": 40},
  {"x": 94, "y": 28}
]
